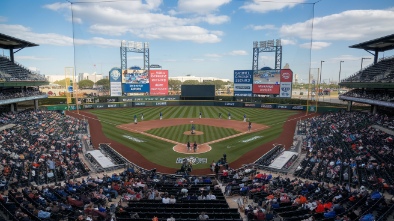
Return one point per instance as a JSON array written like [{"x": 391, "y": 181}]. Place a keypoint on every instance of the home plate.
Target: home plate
[{"x": 182, "y": 148}]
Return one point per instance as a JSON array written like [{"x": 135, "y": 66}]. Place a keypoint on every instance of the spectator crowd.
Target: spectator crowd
[
  {"x": 373, "y": 95},
  {"x": 4, "y": 95}
]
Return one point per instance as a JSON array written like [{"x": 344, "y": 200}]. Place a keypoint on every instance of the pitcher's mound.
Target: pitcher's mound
[
  {"x": 196, "y": 132},
  {"x": 182, "y": 148}
]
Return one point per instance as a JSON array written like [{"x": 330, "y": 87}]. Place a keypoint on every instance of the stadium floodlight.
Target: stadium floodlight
[
  {"x": 263, "y": 44},
  {"x": 255, "y": 44},
  {"x": 321, "y": 71},
  {"x": 339, "y": 76},
  {"x": 278, "y": 42},
  {"x": 362, "y": 60}
]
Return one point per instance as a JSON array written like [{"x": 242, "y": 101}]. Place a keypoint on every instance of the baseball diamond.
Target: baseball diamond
[{"x": 162, "y": 143}]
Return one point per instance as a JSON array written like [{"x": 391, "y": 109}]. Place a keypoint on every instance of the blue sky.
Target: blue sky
[{"x": 197, "y": 37}]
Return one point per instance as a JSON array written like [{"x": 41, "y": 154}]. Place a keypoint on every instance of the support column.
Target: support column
[
  {"x": 349, "y": 105},
  {"x": 35, "y": 104},
  {"x": 12, "y": 108},
  {"x": 374, "y": 109}
]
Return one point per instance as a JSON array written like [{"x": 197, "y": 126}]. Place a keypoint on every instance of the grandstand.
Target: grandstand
[
  {"x": 17, "y": 83},
  {"x": 373, "y": 84}
]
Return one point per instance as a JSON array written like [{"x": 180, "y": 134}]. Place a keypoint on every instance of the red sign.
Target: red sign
[
  {"x": 286, "y": 75},
  {"x": 158, "y": 80},
  {"x": 266, "y": 88}
]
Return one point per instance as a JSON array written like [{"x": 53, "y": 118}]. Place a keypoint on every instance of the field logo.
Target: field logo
[
  {"x": 251, "y": 139},
  {"x": 192, "y": 160},
  {"x": 133, "y": 139}
]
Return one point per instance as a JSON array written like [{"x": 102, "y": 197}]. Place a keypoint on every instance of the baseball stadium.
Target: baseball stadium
[{"x": 257, "y": 147}]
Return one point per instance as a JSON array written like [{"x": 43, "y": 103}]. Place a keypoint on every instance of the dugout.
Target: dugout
[{"x": 197, "y": 92}]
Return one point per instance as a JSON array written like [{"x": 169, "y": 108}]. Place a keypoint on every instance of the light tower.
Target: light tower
[
  {"x": 267, "y": 46},
  {"x": 136, "y": 47}
]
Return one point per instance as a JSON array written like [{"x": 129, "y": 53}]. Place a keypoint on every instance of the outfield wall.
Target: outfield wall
[{"x": 124, "y": 102}]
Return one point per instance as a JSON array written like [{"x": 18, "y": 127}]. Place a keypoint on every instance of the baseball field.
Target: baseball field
[{"x": 154, "y": 143}]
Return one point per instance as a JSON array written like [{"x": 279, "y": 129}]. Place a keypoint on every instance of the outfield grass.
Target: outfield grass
[
  {"x": 161, "y": 152},
  {"x": 175, "y": 133}
]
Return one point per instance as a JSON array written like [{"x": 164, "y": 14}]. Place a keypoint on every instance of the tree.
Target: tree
[
  {"x": 63, "y": 82},
  {"x": 104, "y": 83},
  {"x": 174, "y": 85},
  {"x": 191, "y": 82},
  {"x": 85, "y": 84},
  {"x": 219, "y": 84}
]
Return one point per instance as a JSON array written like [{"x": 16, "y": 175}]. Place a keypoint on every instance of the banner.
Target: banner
[
  {"x": 243, "y": 87},
  {"x": 158, "y": 82},
  {"x": 135, "y": 88},
  {"x": 243, "y": 76},
  {"x": 286, "y": 75},
  {"x": 285, "y": 89},
  {"x": 267, "y": 77},
  {"x": 243, "y": 83},
  {"x": 269, "y": 106},
  {"x": 115, "y": 80},
  {"x": 266, "y": 89},
  {"x": 242, "y": 94}
]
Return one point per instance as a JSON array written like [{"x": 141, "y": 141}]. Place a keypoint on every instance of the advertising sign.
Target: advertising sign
[
  {"x": 242, "y": 94},
  {"x": 158, "y": 82},
  {"x": 266, "y": 89},
  {"x": 243, "y": 80},
  {"x": 243, "y": 87},
  {"x": 115, "y": 79},
  {"x": 267, "y": 77},
  {"x": 285, "y": 89},
  {"x": 135, "y": 81},
  {"x": 135, "y": 76},
  {"x": 286, "y": 75},
  {"x": 135, "y": 88},
  {"x": 243, "y": 76}
]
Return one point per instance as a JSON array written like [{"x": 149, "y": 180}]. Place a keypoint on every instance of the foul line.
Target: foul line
[{"x": 178, "y": 143}]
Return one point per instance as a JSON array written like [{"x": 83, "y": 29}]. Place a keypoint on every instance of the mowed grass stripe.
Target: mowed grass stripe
[
  {"x": 175, "y": 133},
  {"x": 160, "y": 152},
  {"x": 176, "y": 112}
]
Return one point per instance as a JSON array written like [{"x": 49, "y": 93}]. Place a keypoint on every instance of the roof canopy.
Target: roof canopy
[
  {"x": 378, "y": 44},
  {"x": 8, "y": 42}
]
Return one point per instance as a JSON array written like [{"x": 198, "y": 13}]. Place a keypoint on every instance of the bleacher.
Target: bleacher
[
  {"x": 383, "y": 71},
  {"x": 12, "y": 71}
]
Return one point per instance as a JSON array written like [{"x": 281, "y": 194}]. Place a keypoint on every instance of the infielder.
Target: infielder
[
  {"x": 142, "y": 116},
  {"x": 244, "y": 117},
  {"x": 135, "y": 119},
  {"x": 229, "y": 115},
  {"x": 161, "y": 115},
  {"x": 200, "y": 115}
]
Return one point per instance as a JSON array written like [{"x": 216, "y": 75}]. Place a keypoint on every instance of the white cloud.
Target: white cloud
[
  {"x": 181, "y": 33},
  {"x": 213, "y": 55},
  {"x": 288, "y": 42},
  {"x": 20, "y": 31},
  {"x": 58, "y": 6},
  {"x": 144, "y": 19},
  {"x": 266, "y": 6},
  {"x": 27, "y": 57},
  {"x": 216, "y": 20},
  {"x": 260, "y": 27},
  {"x": 316, "y": 45},
  {"x": 200, "y": 6},
  {"x": 3, "y": 19},
  {"x": 238, "y": 52},
  {"x": 347, "y": 25}
]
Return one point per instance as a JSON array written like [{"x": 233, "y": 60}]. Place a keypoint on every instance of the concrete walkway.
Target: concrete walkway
[{"x": 386, "y": 130}]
